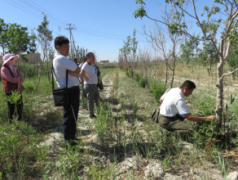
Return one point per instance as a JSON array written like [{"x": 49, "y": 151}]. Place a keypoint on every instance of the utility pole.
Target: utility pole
[{"x": 70, "y": 28}]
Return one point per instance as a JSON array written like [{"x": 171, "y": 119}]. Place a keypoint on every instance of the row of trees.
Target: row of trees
[
  {"x": 221, "y": 15},
  {"x": 171, "y": 38}
]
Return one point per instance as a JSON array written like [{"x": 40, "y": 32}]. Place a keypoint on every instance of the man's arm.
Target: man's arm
[
  {"x": 75, "y": 72},
  {"x": 82, "y": 73},
  {"x": 160, "y": 100},
  {"x": 191, "y": 117}
]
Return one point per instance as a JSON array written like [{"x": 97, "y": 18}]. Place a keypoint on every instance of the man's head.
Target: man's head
[
  {"x": 62, "y": 45},
  {"x": 76, "y": 60},
  {"x": 83, "y": 60},
  {"x": 187, "y": 87},
  {"x": 90, "y": 58}
]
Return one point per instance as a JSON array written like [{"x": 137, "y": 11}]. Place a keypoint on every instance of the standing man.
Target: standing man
[
  {"x": 81, "y": 79},
  {"x": 60, "y": 64},
  {"x": 174, "y": 108},
  {"x": 89, "y": 73}
]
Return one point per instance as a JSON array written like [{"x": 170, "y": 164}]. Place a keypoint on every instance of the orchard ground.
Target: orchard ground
[{"x": 122, "y": 143}]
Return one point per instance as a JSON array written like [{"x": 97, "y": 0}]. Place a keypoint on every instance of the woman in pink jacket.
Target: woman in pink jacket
[{"x": 12, "y": 79}]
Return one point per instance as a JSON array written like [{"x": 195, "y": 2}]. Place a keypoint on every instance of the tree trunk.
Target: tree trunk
[
  {"x": 233, "y": 76},
  {"x": 166, "y": 75},
  {"x": 208, "y": 71},
  {"x": 219, "y": 98},
  {"x": 173, "y": 70},
  {"x": 48, "y": 70}
]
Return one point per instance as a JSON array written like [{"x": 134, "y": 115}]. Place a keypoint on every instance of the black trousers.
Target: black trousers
[
  {"x": 15, "y": 108},
  {"x": 70, "y": 114}
]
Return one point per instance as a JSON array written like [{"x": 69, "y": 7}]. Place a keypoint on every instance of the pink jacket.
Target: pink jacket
[{"x": 5, "y": 73}]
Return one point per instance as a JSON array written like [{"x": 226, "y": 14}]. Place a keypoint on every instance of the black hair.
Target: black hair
[
  {"x": 84, "y": 59},
  {"x": 60, "y": 40},
  {"x": 75, "y": 59},
  {"x": 188, "y": 84},
  {"x": 89, "y": 54}
]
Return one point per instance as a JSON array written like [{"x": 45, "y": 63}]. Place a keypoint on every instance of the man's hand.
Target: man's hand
[
  {"x": 85, "y": 78},
  {"x": 72, "y": 73},
  {"x": 212, "y": 117}
]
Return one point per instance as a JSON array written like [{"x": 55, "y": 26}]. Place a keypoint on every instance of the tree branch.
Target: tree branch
[{"x": 227, "y": 74}]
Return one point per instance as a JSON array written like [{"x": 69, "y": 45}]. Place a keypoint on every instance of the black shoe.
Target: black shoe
[
  {"x": 71, "y": 143},
  {"x": 93, "y": 116}
]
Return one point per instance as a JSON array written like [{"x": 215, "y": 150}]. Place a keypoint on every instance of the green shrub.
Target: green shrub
[
  {"x": 137, "y": 77},
  {"x": 142, "y": 82},
  {"x": 29, "y": 86},
  {"x": 157, "y": 89}
]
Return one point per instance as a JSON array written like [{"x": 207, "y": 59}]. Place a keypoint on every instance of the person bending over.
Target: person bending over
[{"x": 174, "y": 109}]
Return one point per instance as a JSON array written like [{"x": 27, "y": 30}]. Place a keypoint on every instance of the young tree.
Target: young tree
[
  {"x": 227, "y": 20},
  {"x": 208, "y": 56},
  {"x": 15, "y": 39},
  {"x": 3, "y": 35},
  {"x": 44, "y": 38},
  {"x": 189, "y": 48},
  {"x": 160, "y": 38},
  {"x": 130, "y": 46}
]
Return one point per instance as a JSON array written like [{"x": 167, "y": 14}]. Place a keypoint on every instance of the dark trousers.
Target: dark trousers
[
  {"x": 174, "y": 125},
  {"x": 70, "y": 114},
  {"x": 92, "y": 96},
  {"x": 15, "y": 108}
]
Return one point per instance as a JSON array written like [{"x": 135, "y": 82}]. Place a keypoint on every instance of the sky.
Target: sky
[{"x": 101, "y": 26}]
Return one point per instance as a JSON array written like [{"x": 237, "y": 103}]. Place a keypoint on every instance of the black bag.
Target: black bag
[{"x": 60, "y": 94}]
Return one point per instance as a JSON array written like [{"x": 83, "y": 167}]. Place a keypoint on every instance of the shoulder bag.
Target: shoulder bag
[{"x": 60, "y": 94}]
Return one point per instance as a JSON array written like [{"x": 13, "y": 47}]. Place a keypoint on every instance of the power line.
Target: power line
[
  {"x": 28, "y": 4},
  {"x": 50, "y": 13},
  {"x": 55, "y": 17},
  {"x": 81, "y": 29},
  {"x": 20, "y": 7}
]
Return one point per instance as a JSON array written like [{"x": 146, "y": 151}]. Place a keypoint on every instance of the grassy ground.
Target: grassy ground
[{"x": 120, "y": 143}]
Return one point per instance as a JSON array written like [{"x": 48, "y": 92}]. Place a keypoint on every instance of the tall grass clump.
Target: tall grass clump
[
  {"x": 157, "y": 89},
  {"x": 21, "y": 157},
  {"x": 29, "y": 86},
  {"x": 141, "y": 81},
  {"x": 102, "y": 123}
]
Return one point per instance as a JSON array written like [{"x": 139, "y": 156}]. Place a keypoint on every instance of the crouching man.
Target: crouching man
[{"x": 174, "y": 109}]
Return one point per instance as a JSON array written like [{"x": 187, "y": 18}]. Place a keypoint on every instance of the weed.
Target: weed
[
  {"x": 102, "y": 122},
  {"x": 29, "y": 86},
  {"x": 157, "y": 89}
]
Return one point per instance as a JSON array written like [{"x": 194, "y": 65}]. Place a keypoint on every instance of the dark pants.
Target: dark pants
[
  {"x": 174, "y": 125},
  {"x": 15, "y": 108},
  {"x": 70, "y": 114},
  {"x": 92, "y": 96}
]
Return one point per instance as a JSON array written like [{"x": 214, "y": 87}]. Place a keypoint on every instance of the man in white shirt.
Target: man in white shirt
[
  {"x": 60, "y": 64},
  {"x": 174, "y": 108},
  {"x": 89, "y": 73}
]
